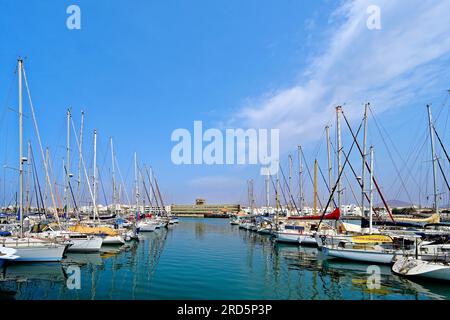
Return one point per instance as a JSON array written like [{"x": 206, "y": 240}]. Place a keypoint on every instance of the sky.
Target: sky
[{"x": 142, "y": 69}]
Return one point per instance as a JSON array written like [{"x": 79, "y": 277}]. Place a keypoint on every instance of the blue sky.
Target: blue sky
[{"x": 140, "y": 70}]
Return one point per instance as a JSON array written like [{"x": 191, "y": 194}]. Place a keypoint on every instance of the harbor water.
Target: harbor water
[{"x": 209, "y": 259}]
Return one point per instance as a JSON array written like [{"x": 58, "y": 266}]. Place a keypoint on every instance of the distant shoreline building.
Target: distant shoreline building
[{"x": 201, "y": 209}]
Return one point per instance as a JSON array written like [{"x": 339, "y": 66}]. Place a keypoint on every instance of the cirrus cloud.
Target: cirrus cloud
[{"x": 408, "y": 57}]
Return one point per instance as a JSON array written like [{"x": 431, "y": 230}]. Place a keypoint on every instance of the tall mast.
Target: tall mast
[
  {"x": 47, "y": 174},
  {"x": 339, "y": 150},
  {"x": 142, "y": 189},
  {"x": 300, "y": 179},
  {"x": 80, "y": 158},
  {"x": 64, "y": 177},
  {"x": 315, "y": 187},
  {"x": 94, "y": 182},
  {"x": 113, "y": 176},
  {"x": 330, "y": 167},
  {"x": 290, "y": 182},
  {"x": 136, "y": 184},
  {"x": 266, "y": 180},
  {"x": 67, "y": 164},
  {"x": 46, "y": 183},
  {"x": 20, "y": 67},
  {"x": 363, "y": 172},
  {"x": 371, "y": 190},
  {"x": 27, "y": 194},
  {"x": 277, "y": 196},
  {"x": 434, "y": 158},
  {"x": 152, "y": 198},
  {"x": 250, "y": 195}
]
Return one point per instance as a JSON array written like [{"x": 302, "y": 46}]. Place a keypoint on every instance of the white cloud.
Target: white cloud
[{"x": 386, "y": 67}]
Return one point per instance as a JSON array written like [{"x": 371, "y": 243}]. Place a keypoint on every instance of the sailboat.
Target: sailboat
[
  {"x": 434, "y": 218},
  {"x": 383, "y": 253},
  {"x": 370, "y": 248},
  {"x": 373, "y": 249},
  {"x": 174, "y": 220},
  {"x": 79, "y": 242},
  {"x": 304, "y": 228},
  {"x": 109, "y": 235},
  {"x": 432, "y": 260},
  {"x": 28, "y": 248},
  {"x": 145, "y": 224},
  {"x": 415, "y": 267}
]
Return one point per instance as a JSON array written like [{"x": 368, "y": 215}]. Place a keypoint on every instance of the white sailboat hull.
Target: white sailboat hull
[
  {"x": 420, "y": 268},
  {"x": 113, "y": 240},
  {"x": 40, "y": 253},
  {"x": 79, "y": 242},
  {"x": 288, "y": 237},
  {"x": 308, "y": 240},
  {"x": 146, "y": 227},
  {"x": 34, "y": 250},
  {"x": 53, "y": 253},
  {"x": 368, "y": 256},
  {"x": 91, "y": 244}
]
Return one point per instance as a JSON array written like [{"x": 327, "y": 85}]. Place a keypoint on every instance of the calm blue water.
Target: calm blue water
[{"x": 208, "y": 259}]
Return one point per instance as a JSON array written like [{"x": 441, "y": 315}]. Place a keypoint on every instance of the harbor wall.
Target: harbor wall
[{"x": 201, "y": 209}]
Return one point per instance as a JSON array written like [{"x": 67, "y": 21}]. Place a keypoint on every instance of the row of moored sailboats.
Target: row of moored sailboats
[
  {"x": 413, "y": 246},
  {"x": 48, "y": 238}
]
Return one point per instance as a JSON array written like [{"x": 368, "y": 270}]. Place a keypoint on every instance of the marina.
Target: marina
[
  {"x": 411, "y": 242},
  {"x": 209, "y": 259},
  {"x": 240, "y": 151}
]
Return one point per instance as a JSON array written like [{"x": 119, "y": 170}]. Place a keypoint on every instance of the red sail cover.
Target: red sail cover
[{"x": 329, "y": 216}]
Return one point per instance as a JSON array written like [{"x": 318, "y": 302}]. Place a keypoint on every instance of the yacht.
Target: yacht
[
  {"x": 417, "y": 267},
  {"x": 146, "y": 225},
  {"x": 34, "y": 250}
]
